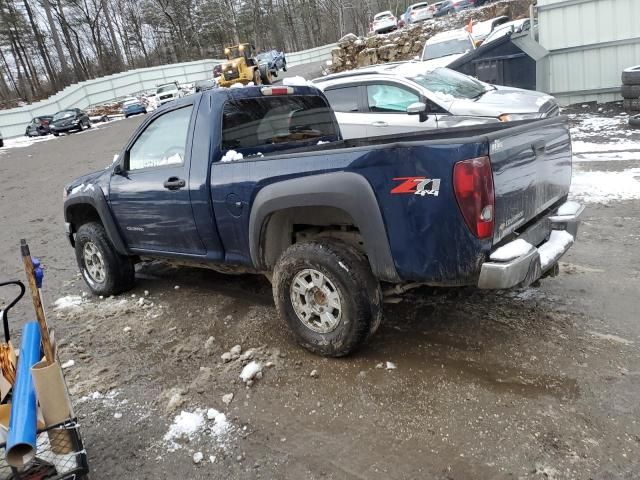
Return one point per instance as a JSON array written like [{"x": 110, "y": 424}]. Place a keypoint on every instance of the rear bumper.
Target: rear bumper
[{"x": 528, "y": 264}]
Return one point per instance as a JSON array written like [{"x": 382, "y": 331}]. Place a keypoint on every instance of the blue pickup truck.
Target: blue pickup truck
[{"x": 258, "y": 179}]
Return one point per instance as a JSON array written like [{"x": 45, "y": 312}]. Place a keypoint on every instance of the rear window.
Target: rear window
[
  {"x": 253, "y": 122},
  {"x": 419, "y": 6}
]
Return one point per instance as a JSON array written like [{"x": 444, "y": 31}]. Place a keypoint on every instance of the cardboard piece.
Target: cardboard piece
[
  {"x": 8, "y": 362},
  {"x": 52, "y": 395}
]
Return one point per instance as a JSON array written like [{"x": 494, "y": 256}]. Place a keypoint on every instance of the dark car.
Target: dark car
[
  {"x": 69, "y": 120},
  {"x": 274, "y": 59},
  {"x": 202, "y": 85},
  {"x": 39, "y": 126},
  {"x": 452, "y": 6}
]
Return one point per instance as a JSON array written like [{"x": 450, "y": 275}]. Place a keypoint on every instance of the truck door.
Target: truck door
[{"x": 150, "y": 198}]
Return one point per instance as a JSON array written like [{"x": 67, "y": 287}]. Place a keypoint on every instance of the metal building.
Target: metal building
[{"x": 589, "y": 42}]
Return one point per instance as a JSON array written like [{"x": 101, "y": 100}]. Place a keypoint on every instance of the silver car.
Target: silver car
[{"x": 409, "y": 96}]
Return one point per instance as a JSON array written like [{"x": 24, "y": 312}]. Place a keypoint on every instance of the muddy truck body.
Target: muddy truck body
[{"x": 258, "y": 179}]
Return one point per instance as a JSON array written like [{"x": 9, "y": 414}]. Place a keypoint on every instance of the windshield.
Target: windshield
[
  {"x": 449, "y": 47},
  {"x": 64, "y": 114},
  {"x": 130, "y": 101},
  {"x": 449, "y": 85},
  {"x": 265, "y": 56},
  {"x": 383, "y": 16},
  {"x": 166, "y": 88}
]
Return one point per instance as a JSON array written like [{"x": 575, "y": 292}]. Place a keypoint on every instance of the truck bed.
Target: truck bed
[{"x": 530, "y": 161}]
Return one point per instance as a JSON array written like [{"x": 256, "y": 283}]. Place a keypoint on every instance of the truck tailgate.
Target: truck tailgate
[{"x": 531, "y": 172}]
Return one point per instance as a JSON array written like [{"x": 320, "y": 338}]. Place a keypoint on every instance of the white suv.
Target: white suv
[
  {"x": 408, "y": 97},
  {"x": 384, "y": 22},
  {"x": 168, "y": 92},
  {"x": 443, "y": 48}
]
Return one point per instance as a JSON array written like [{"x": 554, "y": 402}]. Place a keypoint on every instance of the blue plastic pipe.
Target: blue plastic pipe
[{"x": 21, "y": 441}]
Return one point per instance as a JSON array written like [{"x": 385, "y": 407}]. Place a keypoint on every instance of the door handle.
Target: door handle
[
  {"x": 174, "y": 183},
  {"x": 379, "y": 124}
]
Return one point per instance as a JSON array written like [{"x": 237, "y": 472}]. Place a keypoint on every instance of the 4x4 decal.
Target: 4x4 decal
[{"x": 417, "y": 186}]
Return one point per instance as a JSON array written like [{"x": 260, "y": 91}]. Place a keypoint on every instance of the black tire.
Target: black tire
[
  {"x": 88, "y": 124},
  {"x": 631, "y": 104},
  {"x": 55, "y": 134},
  {"x": 119, "y": 273},
  {"x": 630, "y": 91},
  {"x": 348, "y": 272},
  {"x": 631, "y": 76},
  {"x": 635, "y": 121},
  {"x": 284, "y": 67},
  {"x": 265, "y": 76}
]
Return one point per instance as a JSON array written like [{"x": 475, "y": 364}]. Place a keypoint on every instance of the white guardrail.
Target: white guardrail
[{"x": 13, "y": 122}]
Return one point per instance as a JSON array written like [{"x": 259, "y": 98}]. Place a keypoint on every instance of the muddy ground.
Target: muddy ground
[{"x": 537, "y": 383}]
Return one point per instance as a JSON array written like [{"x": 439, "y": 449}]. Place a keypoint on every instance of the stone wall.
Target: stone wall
[{"x": 404, "y": 44}]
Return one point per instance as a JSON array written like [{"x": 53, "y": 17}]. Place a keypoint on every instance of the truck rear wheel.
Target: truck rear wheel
[
  {"x": 328, "y": 296},
  {"x": 104, "y": 270}
]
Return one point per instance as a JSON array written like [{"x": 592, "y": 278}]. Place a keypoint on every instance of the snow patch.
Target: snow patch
[
  {"x": 550, "y": 251},
  {"x": 250, "y": 370},
  {"x": 611, "y": 338},
  {"x": 232, "y": 156},
  {"x": 605, "y": 186},
  {"x": 391, "y": 366},
  {"x": 321, "y": 142},
  {"x": 69, "y": 302},
  {"x": 296, "y": 81},
  {"x": 237, "y": 85},
  {"x": 185, "y": 426},
  {"x": 512, "y": 250},
  {"x": 579, "y": 146}
]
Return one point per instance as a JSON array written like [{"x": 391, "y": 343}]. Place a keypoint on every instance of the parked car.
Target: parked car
[
  {"x": 202, "y": 85},
  {"x": 133, "y": 106},
  {"x": 419, "y": 12},
  {"x": 275, "y": 60},
  {"x": 168, "y": 92},
  {"x": 449, "y": 7},
  {"x": 39, "y": 126},
  {"x": 384, "y": 22},
  {"x": 445, "y": 47},
  {"x": 69, "y": 120},
  {"x": 481, "y": 30},
  {"x": 327, "y": 220},
  {"x": 508, "y": 28},
  {"x": 381, "y": 100}
]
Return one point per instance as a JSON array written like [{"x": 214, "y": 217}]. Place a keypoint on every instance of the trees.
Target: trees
[{"x": 47, "y": 44}]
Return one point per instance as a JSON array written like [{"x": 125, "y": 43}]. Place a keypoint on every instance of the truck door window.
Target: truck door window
[
  {"x": 343, "y": 99},
  {"x": 253, "y": 122},
  {"x": 163, "y": 142}
]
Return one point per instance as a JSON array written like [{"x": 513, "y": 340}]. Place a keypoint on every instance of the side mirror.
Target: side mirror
[
  {"x": 117, "y": 170},
  {"x": 416, "y": 108}
]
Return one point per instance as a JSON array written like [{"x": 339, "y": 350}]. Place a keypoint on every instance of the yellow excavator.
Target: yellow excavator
[{"x": 241, "y": 66}]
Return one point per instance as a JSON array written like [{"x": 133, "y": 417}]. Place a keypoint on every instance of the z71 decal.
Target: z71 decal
[{"x": 417, "y": 186}]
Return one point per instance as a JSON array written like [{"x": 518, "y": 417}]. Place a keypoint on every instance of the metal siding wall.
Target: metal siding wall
[
  {"x": 564, "y": 24},
  {"x": 13, "y": 122}
]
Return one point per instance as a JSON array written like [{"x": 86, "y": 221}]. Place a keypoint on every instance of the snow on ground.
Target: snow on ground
[
  {"x": 606, "y": 186},
  {"x": 190, "y": 426},
  {"x": 605, "y": 138},
  {"x": 68, "y": 302},
  {"x": 21, "y": 142}
]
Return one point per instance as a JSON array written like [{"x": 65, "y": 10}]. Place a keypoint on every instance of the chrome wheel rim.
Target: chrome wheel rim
[
  {"x": 316, "y": 301},
  {"x": 93, "y": 262}
]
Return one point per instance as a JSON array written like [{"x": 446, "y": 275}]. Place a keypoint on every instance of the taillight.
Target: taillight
[{"x": 473, "y": 186}]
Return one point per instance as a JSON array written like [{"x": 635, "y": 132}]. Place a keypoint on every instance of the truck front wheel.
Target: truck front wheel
[
  {"x": 104, "y": 270},
  {"x": 328, "y": 296}
]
